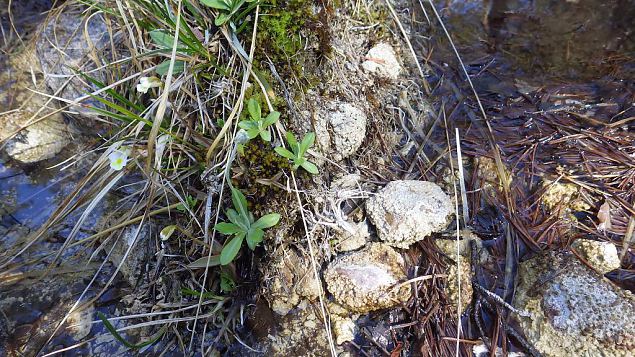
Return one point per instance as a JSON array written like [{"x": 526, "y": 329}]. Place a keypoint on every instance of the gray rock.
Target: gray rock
[
  {"x": 69, "y": 42},
  {"x": 133, "y": 266},
  {"x": 340, "y": 129},
  {"x": 30, "y": 129},
  {"x": 408, "y": 211},
  {"x": 574, "y": 311},
  {"x": 368, "y": 279}
]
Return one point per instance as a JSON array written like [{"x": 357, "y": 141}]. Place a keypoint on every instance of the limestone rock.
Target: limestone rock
[
  {"x": 340, "y": 129},
  {"x": 600, "y": 255},
  {"x": 381, "y": 59},
  {"x": 133, "y": 265},
  {"x": 575, "y": 311},
  {"x": 352, "y": 237},
  {"x": 408, "y": 211},
  {"x": 366, "y": 280},
  {"x": 291, "y": 280},
  {"x": 344, "y": 330}
]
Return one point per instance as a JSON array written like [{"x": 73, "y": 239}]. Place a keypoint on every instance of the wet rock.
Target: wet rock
[
  {"x": 68, "y": 42},
  {"x": 600, "y": 255},
  {"x": 381, "y": 59},
  {"x": 80, "y": 322},
  {"x": 352, "y": 237},
  {"x": 134, "y": 264},
  {"x": 408, "y": 211},
  {"x": 448, "y": 248},
  {"x": 574, "y": 311},
  {"x": 367, "y": 280},
  {"x": 340, "y": 129},
  {"x": 290, "y": 280},
  {"x": 29, "y": 127}
]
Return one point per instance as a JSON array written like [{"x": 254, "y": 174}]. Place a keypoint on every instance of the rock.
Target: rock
[
  {"x": 300, "y": 334},
  {"x": 366, "y": 280},
  {"x": 354, "y": 238},
  {"x": 29, "y": 127},
  {"x": 448, "y": 247},
  {"x": 600, "y": 255},
  {"x": 67, "y": 43},
  {"x": 340, "y": 129},
  {"x": 408, "y": 211},
  {"x": 575, "y": 311},
  {"x": 80, "y": 322},
  {"x": 381, "y": 59},
  {"x": 132, "y": 266},
  {"x": 290, "y": 280},
  {"x": 344, "y": 330}
]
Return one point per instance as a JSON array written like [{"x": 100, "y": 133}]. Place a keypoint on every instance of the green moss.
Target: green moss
[{"x": 281, "y": 24}]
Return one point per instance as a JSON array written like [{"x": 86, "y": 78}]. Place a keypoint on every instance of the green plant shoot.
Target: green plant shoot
[
  {"x": 258, "y": 125},
  {"x": 227, "y": 8},
  {"x": 299, "y": 150},
  {"x": 241, "y": 226}
]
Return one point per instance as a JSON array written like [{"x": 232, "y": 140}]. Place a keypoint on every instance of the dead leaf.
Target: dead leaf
[{"x": 604, "y": 216}]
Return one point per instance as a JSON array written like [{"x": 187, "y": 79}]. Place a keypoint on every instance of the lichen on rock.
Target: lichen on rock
[
  {"x": 408, "y": 211},
  {"x": 574, "y": 311},
  {"x": 368, "y": 279}
]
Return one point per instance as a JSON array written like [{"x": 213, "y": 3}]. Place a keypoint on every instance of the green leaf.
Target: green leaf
[
  {"x": 228, "y": 228},
  {"x": 221, "y": 19},
  {"x": 167, "y": 232},
  {"x": 310, "y": 167},
  {"x": 271, "y": 118},
  {"x": 236, "y": 219},
  {"x": 162, "y": 39},
  {"x": 216, "y": 4},
  {"x": 254, "y": 109},
  {"x": 248, "y": 124},
  {"x": 307, "y": 142},
  {"x": 254, "y": 237},
  {"x": 291, "y": 139},
  {"x": 163, "y": 67},
  {"x": 118, "y": 337},
  {"x": 265, "y": 135},
  {"x": 231, "y": 249},
  {"x": 252, "y": 133},
  {"x": 284, "y": 152},
  {"x": 213, "y": 261},
  {"x": 240, "y": 202},
  {"x": 267, "y": 221}
]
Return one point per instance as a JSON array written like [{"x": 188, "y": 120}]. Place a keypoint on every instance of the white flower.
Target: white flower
[
  {"x": 146, "y": 83},
  {"x": 119, "y": 158}
]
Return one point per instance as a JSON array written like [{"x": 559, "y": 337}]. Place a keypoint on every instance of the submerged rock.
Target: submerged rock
[
  {"x": 408, "y": 211},
  {"x": 574, "y": 311},
  {"x": 600, "y": 255},
  {"x": 368, "y": 279},
  {"x": 381, "y": 59},
  {"x": 340, "y": 129},
  {"x": 30, "y": 128}
]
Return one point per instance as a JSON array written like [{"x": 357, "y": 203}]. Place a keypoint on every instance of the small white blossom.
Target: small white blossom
[
  {"x": 119, "y": 158},
  {"x": 146, "y": 83}
]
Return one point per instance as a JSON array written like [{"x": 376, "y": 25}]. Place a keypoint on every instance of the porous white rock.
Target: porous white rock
[
  {"x": 340, "y": 129},
  {"x": 574, "y": 311},
  {"x": 600, "y": 255},
  {"x": 381, "y": 59},
  {"x": 352, "y": 237},
  {"x": 408, "y": 211},
  {"x": 366, "y": 280}
]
